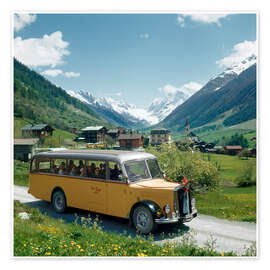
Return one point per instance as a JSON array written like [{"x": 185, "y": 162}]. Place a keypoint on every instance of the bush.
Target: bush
[
  {"x": 176, "y": 164},
  {"x": 245, "y": 177},
  {"x": 245, "y": 153}
]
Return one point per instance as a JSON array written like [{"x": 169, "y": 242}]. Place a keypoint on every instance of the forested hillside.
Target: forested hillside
[{"x": 39, "y": 100}]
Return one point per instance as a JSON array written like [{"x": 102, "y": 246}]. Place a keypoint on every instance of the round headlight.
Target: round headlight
[
  {"x": 167, "y": 209},
  {"x": 193, "y": 203}
]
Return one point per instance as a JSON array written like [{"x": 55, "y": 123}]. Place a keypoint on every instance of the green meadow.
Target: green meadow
[{"x": 41, "y": 235}]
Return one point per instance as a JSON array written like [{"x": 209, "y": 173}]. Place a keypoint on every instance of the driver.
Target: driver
[{"x": 130, "y": 173}]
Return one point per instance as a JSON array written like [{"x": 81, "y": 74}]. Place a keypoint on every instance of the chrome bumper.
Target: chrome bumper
[{"x": 167, "y": 220}]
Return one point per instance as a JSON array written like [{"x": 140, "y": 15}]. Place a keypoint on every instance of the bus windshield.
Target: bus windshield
[{"x": 138, "y": 170}]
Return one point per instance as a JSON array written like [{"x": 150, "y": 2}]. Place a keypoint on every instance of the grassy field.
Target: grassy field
[
  {"x": 233, "y": 203},
  {"x": 41, "y": 235},
  {"x": 21, "y": 173},
  {"x": 230, "y": 202},
  {"x": 230, "y": 166}
]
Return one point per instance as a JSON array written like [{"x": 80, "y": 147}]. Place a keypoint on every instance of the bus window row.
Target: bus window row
[{"x": 81, "y": 168}]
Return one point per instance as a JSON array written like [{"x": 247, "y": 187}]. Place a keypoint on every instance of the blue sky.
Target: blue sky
[{"x": 135, "y": 57}]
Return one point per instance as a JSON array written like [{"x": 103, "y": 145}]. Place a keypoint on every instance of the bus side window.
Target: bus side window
[
  {"x": 96, "y": 169},
  {"x": 44, "y": 165},
  {"x": 115, "y": 171},
  {"x": 60, "y": 166}
]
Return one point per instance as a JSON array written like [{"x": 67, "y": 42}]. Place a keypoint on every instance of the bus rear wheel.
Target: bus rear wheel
[{"x": 59, "y": 201}]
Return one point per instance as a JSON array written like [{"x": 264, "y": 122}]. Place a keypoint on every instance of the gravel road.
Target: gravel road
[{"x": 225, "y": 235}]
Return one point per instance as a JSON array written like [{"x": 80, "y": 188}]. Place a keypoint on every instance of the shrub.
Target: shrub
[
  {"x": 176, "y": 164},
  {"x": 245, "y": 153},
  {"x": 245, "y": 177}
]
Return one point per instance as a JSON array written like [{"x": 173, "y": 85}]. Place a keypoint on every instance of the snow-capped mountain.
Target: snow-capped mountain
[
  {"x": 122, "y": 112},
  {"x": 129, "y": 115},
  {"x": 229, "y": 96},
  {"x": 232, "y": 72},
  {"x": 162, "y": 107}
]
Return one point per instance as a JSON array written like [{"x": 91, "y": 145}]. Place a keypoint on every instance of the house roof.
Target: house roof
[
  {"x": 233, "y": 147},
  {"x": 29, "y": 141},
  {"x": 113, "y": 131},
  {"x": 130, "y": 136},
  {"x": 35, "y": 127},
  {"x": 160, "y": 131},
  {"x": 96, "y": 128}
]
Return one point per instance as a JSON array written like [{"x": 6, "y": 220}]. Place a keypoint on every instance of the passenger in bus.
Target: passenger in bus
[
  {"x": 73, "y": 171},
  {"x": 70, "y": 166},
  {"x": 96, "y": 174},
  {"x": 53, "y": 169},
  {"x": 82, "y": 172},
  {"x": 89, "y": 172},
  {"x": 62, "y": 168},
  {"x": 102, "y": 172},
  {"x": 80, "y": 166},
  {"x": 115, "y": 172},
  {"x": 93, "y": 168}
]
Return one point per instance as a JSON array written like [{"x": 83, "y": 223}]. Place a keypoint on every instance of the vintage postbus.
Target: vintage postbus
[{"x": 119, "y": 183}]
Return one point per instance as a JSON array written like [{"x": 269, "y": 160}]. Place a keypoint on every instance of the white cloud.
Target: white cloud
[
  {"x": 119, "y": 94},
  {"x": 239, "y": 52},
  {"x": 188, "y": 89},
  {"x": 23, "y": 19},
  {"x": 46, "y": 51},
  {"x": 203, "y": 18},
  {"x": 52, "y": 72},
  {"x": 71, "y": 74},
  {"x": 56, "y": 72},
  {"x": 146, "y": 36},
  {"x": 180, "y": 20}
]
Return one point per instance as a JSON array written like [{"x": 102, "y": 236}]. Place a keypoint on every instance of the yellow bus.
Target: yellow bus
[{"x": 124, "y": 184}]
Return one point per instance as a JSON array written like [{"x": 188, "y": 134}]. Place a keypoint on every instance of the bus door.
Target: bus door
[{"x": 116, "y": 191}]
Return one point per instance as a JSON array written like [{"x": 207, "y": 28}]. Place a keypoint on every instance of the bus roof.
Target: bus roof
[{"x": 107, "y": 155}]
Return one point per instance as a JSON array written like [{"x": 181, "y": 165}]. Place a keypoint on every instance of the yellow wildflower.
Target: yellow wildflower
[{"x": 141, "y": 255}]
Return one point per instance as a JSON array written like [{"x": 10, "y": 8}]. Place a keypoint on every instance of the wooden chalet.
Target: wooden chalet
[
  {"x": 233, "y": 149},
  {"x": 131, "y": 140},
  {"x": 94, "y": 134},
  {"x": 37, "y": 131},
  {"x": 113, "y": 133},
  {"x": 24, "y": 148}
]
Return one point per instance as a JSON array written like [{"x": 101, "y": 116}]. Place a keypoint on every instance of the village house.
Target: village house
[
  {"x": 131, "y": 140},
  {"x": 113, "y": 133},
  {"x": 159, "y": 136},
  {"x": 94, "y": 134},
  {"x": 37, "y": 131},
  {"x": 121, "y": 130},
  {"x": 233, "y": 149},
  {"x": 24, "y": 148}
]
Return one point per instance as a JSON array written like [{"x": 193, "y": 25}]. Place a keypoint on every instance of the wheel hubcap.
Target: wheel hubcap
[
  {"x": 59, "y": 202},
  {"x": 142, "y": 219}
]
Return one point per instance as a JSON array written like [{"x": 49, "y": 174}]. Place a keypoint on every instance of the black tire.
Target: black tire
[
  {"x": 143, "y": 220},
  {"x": 59, "y": 201}
]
